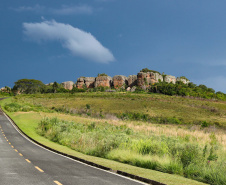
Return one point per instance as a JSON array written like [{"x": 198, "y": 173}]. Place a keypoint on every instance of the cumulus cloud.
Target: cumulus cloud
[
  {"x": 63, "y": 10},
  {"x": 79, "y": 42}
]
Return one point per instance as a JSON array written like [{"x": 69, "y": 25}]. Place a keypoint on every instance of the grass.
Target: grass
[
  {"x": 28, "y": 122},
  {"x": 170, "y": 134},
  {"x": 120, "y": 143},
  {"x": 147, "y": 107}
]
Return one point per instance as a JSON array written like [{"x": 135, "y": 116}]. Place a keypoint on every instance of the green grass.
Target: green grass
[
  {"x": 121, "y": 143},
  {"x": 152, "y": 106},
  {"x": 28, "y": 122}
]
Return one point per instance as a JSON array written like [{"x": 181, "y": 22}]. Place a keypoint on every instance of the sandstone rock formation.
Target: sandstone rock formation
[
  {"x": 149, "y": 78},
  {"x": 103, "y": 81},
  {"x": 89, "y": 82},
  {"x": 132, "y": 80},
  {"x": 170, "y": 78},
  {"x": 80, "y": 82},
  {"x": 68, "y": 85},
  {"x": 142, "y": 80},
  {"x": 158, "y": 77},
  {"x": 119, "y": 81},
  {"x": 184, "y": 80}
]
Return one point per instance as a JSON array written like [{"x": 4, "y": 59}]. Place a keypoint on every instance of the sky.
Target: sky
[{"x": 63, "y": 40}]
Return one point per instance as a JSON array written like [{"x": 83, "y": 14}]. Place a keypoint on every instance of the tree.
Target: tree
[
  {"x": 28, "y": 86},
  {"x": 55, "y": 87}
]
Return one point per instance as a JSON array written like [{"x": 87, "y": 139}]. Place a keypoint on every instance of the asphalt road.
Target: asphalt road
[{"x": 24, "y": 163}]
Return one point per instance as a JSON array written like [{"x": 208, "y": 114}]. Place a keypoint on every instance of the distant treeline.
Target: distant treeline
[{"x": 31, "y": 86}]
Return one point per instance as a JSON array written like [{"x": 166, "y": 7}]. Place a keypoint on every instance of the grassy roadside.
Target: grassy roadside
[{"x": 28, "y": 123}]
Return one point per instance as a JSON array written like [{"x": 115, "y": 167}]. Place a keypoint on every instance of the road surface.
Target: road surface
[{"x": 24, "y": 163}]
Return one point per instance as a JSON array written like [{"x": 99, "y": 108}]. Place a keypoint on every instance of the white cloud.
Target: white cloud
[
  {"x": 64, "y": 10},
  {"x": 79, "y": 42},
  {"x": 69, "y": 10},
  {"x": 37, "y": 9}
]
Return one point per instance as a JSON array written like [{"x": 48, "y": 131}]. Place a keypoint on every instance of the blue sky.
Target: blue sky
[{"x": 63, "y": 40}]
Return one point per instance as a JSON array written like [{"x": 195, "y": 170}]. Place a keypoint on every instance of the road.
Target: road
[{"x": 25, "y": 163}]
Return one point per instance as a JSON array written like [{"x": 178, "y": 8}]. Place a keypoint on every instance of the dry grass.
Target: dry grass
[
  {"x": 193, "y": 133},
  {"x": 190, "y": 110}
]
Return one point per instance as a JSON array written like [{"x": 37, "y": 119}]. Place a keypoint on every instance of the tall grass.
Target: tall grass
[
  {"x": 145, "y": 107},
  {"x": 121, "y": 143}
]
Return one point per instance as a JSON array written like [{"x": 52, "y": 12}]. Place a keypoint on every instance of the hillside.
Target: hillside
[{"x": 179, "y": 135}]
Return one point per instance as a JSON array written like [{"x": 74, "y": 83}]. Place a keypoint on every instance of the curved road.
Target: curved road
[{"x": 24, "y": 163}]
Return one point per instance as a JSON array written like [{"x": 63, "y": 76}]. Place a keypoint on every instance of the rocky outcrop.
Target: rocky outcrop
[
  {"x": 149, "y": 78},
  {"x": 158, "y": 77},
  {"x": 103, "y": 81},
  {"x": 68, "y": 85},
  {"x": 119, "y": 81},
  {"x": 184, "y": 80},
  {"x": 142, "y": 80},
  {"x": 170, "y": 78},
  {"x": 80, "y": 82},
  {"x": 89, "y": 82},
  {"x": 132, "y": 80}
]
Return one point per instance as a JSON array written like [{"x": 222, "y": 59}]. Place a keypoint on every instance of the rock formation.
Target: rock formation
[
  {"x": 89, "y": 82},
  {"x": 103, "y": 81},
  {"x": 170, "y": 78},
  {"x": 148, "y": 78},
  {"x": 143, "y": 80},
  {"x": 119, "y": 81},
  {"x": 68, "y": 85},
  {"x": 184, "y": 80},
  {"x": 132, "y": 80},
  {"x": 80, "y": 82}
]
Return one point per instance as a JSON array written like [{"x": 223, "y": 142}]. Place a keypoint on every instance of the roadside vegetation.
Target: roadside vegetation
[
  {"x": 182, "y": 156},
  {"x": 171, "y": 134}
]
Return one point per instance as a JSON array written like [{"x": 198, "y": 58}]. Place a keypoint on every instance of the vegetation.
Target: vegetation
[
  {"x": 189, "y": 89},
  {"x": 150, "y": 108},
  {"x": 31, "y": 86},
  {"x": 5, "y": 92},
  {"x": 196, "y": 152},
  {"x": 119, "y": 125},
  {"x": 145, "y": 70},
  {"x": 121, "y": 143},
  {"x": 102, "y": 74},
  {"x": 183, "y": 77},
  {"x": 28, "y": 86},
  {"x": 29, "y": 122}
]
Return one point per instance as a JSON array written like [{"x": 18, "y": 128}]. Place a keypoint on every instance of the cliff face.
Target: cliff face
[
  {"x": 147, "y": 79},
  {"x": 80, "y": 83},
  {"x": 89, "y": 82},
  {"x": 142, "y": 79},
  {"x": 68, "y": 85},
  {"x": 103, "y": 81},
  {"x": 185, "y": 81},
  {"x": 119, "y": 81},
  {"x": 170, "y": 78},
  {"x": 132, "y": 80}
]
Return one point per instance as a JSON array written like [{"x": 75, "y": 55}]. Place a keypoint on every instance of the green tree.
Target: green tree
[
  {"x": 55, "y": 87},
  {"x": 28, "y": 86}
]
